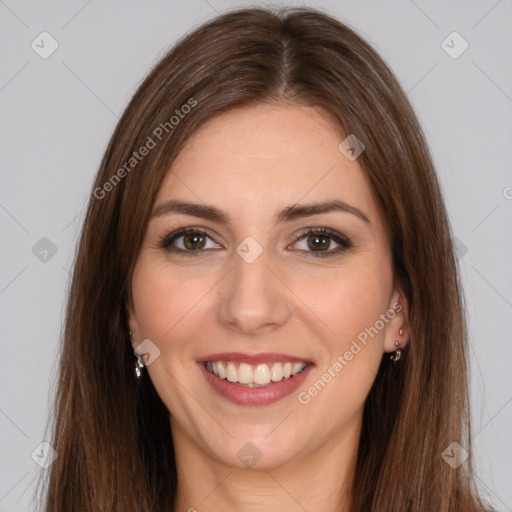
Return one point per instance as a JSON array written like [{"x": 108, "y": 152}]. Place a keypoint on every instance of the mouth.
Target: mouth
[
  {"x": 251, "y": 376},
  {"x": 254, "y": 379}
]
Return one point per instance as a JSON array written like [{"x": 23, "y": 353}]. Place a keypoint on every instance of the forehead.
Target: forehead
[{"x": 263, "y": 158}]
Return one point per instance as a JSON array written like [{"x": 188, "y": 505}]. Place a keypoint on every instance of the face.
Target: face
[{"x": 261, "y": 282}]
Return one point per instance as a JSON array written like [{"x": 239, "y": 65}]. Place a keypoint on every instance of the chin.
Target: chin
[{"x": 258, "y": 450}]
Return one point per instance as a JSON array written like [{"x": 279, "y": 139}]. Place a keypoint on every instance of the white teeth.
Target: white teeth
[
  {"x": 261, "y": 374},
  {"x": 296, "y": 368},
  {"x": 221, "y": 370},
  {"x": 276, "y": 372},
  {"x": 231, "y": 372},
  {"x": 251, "y": 376},
  {"x": 244, "y": 374}
]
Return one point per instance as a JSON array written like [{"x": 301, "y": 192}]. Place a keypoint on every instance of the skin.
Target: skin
[{"x": 252, "y": 163}]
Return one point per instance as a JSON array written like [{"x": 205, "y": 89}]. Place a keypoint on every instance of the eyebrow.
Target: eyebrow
[{"x": 288, "y": 214}]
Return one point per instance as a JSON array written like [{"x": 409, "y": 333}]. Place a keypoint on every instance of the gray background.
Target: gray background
[{"x": 58, "y": 114}]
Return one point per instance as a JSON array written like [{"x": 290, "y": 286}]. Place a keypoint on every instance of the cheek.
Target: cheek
[
  {"x": 359, "y": 305},
  {"x": 350, "y": 300},
  {"x": 161, "y": 299},
  {"x": 152, "y": 302},
  {"x": 352, "y": 355},
  {"x": 363, "y": 302}
]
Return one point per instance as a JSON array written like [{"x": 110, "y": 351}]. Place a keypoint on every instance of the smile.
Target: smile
[
  {"x": 255, "y": 380},
  {"x": 254, "y": 375}
]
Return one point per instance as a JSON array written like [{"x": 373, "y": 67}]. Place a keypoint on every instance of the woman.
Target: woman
[{"x": 265, "y": 309}]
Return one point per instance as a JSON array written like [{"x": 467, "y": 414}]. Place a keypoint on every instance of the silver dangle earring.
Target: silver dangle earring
[
  {"x": 398, "y": 353},
  {"x": 139, "y": 365}
]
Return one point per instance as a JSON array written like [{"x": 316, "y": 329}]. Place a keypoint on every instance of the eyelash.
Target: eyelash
[{"x": 343, "y": 242}]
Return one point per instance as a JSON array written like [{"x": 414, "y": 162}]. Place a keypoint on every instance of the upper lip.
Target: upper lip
[{"x": 253, "y": 359}]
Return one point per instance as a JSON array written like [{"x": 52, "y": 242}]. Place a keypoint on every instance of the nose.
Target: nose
[{"x": 254, "y": 300}]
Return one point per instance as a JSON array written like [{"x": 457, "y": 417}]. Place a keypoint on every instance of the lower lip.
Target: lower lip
[{"x": 264, "y": 395}]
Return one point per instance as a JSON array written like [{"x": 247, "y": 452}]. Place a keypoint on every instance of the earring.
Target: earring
[
  {"x": 398, "y": 353},
  {"x": 139, "y": 365}
]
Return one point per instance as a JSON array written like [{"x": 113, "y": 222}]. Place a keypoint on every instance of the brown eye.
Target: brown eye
[
  {"x": 194, "y": 241},
  {"x": 322, "y": 242},
  {"x": 316, "y": 242},
  {"x": 188, "y": 242}
]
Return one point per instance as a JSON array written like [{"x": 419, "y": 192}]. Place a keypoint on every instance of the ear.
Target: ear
[
  {"x": 397, "y": 313},
  {"x": 131, "y": 319}
]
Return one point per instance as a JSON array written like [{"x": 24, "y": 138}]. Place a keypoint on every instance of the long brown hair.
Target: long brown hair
[{"x": 112, "y": 433}]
